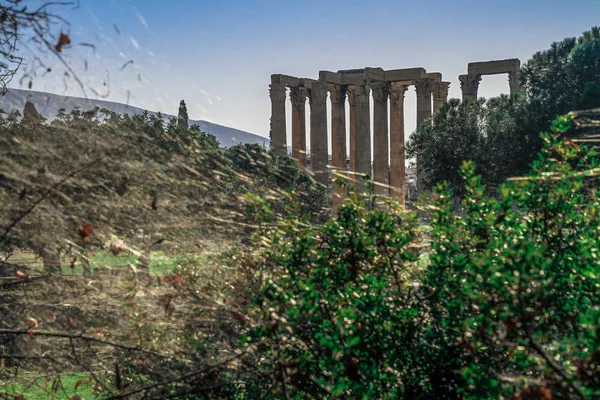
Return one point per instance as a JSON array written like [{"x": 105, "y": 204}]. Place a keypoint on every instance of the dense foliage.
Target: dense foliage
[
  {"x": 488, "y": 132},
  {"x": 506, "y": 307},
  {"x": 501, "y": 134}
]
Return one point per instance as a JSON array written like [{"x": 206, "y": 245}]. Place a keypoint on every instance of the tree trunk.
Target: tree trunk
[
  {"x": 51, "y": 260},
  {"x": 85, "y": 263}
]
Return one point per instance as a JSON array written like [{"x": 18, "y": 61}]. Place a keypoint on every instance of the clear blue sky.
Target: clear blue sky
[{"x": 219, "y": 55}]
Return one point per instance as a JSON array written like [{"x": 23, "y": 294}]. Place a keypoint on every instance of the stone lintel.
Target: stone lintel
[
  {"x": 330, "y": 77},
  {"x": 406, "y": 74},
  {"x": 357, "y": 71},
  {"x": 353, "y": 80},
  {"x": 374, "y": 74},
  {"x": 437, "y": 76},
  {"x": 306, "y": 82},
  {"x": 287, "y": 80},
  {"x": 494, "y": 67}
]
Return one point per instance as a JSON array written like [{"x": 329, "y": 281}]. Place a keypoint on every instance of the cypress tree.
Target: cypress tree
[{"x": 182, "y": 117}]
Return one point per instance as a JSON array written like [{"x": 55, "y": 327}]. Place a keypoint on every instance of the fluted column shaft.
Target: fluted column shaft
[
  {"x": 423, "y": 88},
  {"x": 298, "y": 97},
  {"x": 440, "y": 95},
  {"x": 397, "y": 154},
  {"x": 362, "y": 141},
  {"x": 380, "y": 137},
  {"x": 338, "y": 140},
  {"x": 278, "y": 134},
  {"x": 513, "y": 83},
  {"x": 318, "y": 131},
  {"x": 352, "y": 133}
]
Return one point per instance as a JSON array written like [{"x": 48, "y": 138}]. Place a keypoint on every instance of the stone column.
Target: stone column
[
  {"x": 362, "y": 141},
  {"x": 440, "y": 95},
  {"x": 352, "y": 133},
  {"x": 338, "y": 140},
  {"x": 278, "y": 132},
  {"x": 423, "y": 88},
  {"x": 397, "y": 156},
  {"x": 513, "y": 82},
  {"x": 298, "y": 97},
  {"x": 380, "y": 137},
  {"x": 469, "y": 85},
  {"x": 318, "y": 132}
]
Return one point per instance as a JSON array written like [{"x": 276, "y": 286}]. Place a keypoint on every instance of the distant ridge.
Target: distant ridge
[{"x": 48, "y": 105}]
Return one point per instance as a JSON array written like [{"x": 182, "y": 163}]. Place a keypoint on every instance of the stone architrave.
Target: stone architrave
[
  {"x": 423, "y": 88},
  {"x": 470, "y": 81},
  {"x": 362, "y": 141},
  {"x": 380, "y": 137},
  {"x": 278, "y": 129},
  {"x": 338, "y": 140},
  {"x": 278, "y": 134},
  {"x": 318, "y": 132},
  {"x": 397, "y": 156},
  {"x": 298, "y": 97},
  {"x": 352, "y": 133},
  {"x": 469, "y": 84},
  {"x": 440, "y": 95}
]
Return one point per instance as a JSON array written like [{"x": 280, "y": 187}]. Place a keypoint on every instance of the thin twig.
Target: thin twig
[
  {"x": 176, "y": 379},
  {"x": 81, "y": 336},
  {"x": 42, "y": 198},
  {"x": 541, "y": 352}
]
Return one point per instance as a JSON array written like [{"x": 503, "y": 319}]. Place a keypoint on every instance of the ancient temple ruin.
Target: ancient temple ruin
[
  {"x": 469, "y": 82},
  {"x": 357, "y": 86}
]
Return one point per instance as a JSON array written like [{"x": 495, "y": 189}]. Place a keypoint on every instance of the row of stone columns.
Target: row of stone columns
[{"x": 385, "y": 175}]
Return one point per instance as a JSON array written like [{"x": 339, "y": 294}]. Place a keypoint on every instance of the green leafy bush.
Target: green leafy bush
[{"x": 506, "y": 308}]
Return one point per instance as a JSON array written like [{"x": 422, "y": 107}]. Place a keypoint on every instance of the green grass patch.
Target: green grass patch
[
  {"x": 160, "y": 263},
  {"x": 62, "y": 386}
]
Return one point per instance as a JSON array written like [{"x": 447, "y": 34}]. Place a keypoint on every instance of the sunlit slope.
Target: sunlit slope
[{"x": 48, "y": 105}]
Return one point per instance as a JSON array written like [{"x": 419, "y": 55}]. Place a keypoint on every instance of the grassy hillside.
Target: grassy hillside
[{"x": 48, "y": 105}]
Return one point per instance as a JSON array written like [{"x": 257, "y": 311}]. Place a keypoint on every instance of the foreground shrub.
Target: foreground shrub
[
  {"x": 506, "y": 308},
  {"x": 514, "y": 280}
]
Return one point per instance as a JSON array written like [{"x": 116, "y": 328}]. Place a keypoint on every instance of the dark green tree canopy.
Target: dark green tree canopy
[
  {"x": 564, "y": 77},
  {"x": 182, "y": 116},
  {"x": 502, "y": 134}
]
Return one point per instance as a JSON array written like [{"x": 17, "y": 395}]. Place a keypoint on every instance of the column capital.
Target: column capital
[
  {"x": 440, "y": 90},
  {"x": 469, "y": 83},
  {"x": 380, "y": 90},
  {"x": 397, "y": 91},
  {"x": 424, "y": 87},
  {"x": 277, "y": 92},
  {"x": 444, "y": 90},
  {"x": 337, "y": 93},
  {"x": 350, "y": 92},
  {"x": 362, "y": 89},
  {"x": 298, "y": 95}
]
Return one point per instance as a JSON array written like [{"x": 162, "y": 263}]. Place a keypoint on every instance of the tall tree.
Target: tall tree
[
  {"x": 182, "y": 116},
  {"x": 564, "y": 77},
  {"x": 30, "y": 113}
]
